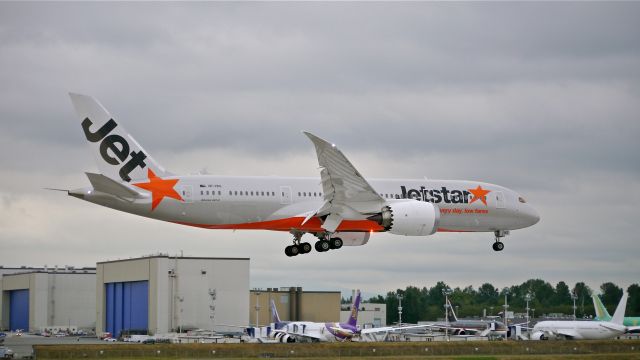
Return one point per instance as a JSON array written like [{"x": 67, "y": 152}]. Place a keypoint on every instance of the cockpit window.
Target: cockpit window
[{"x": 522, "y": 200}]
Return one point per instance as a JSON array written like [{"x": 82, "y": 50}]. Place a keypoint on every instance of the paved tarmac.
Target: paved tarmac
[{"x": 23, "y": 345}]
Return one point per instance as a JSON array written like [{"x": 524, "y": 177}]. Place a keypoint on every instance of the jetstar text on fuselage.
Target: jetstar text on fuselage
[{"x": 436, "y": 196}]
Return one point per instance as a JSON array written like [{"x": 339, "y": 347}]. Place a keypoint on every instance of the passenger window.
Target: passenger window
[
  {"x": 252, "y": 193},
  {"x": 299, "y": 193},
  {"x": 219, "y": 192},
  {"x": 236, "y": 193},
  {"x": 201, "y": 192},
  {"x": 274, "y": 193},
  {"x": 262, "y": 193}
]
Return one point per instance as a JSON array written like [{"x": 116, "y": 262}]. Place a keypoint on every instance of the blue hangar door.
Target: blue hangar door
[
  {"x": 19, "y": 309},
  {"x": 127, "y": 307}
]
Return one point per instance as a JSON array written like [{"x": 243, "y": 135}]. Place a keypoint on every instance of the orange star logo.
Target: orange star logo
[
  {"x": 479, "y": 193},
  {"x": 159, "y": 188}
]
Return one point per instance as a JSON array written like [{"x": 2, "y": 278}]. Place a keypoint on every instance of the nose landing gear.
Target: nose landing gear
[{"x": 499, "y": 245}]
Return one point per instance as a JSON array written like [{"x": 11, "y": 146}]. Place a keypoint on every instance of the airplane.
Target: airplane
[
  {"x": 472, "y": 327},
  {"x": 299, "y": 331},
  {"x": 603, "y": 315},
  {"x": 583, "y": 330},
  {"x": 341, "y": 208},
  {"x": 456, "y": 327}
]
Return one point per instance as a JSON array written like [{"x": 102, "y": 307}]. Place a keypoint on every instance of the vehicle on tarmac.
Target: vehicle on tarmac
[
  {"x": 6, "y": 353},
  {"x": 339, "y": 208}
]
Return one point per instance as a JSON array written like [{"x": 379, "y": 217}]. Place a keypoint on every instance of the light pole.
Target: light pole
[
  {"x": 399, "y": 309},
  {"x": 506, "y": 306},
  {"x": 446, "y": 292},
  {"x": 574, "y": 297},
  {"x": 528, "y": 298},
  {"x": 533, "y": 313},
  {"x": 257, "y": 308}
]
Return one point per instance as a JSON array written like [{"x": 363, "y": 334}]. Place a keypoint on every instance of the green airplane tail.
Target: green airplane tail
[{"x": 601, "y": 312}]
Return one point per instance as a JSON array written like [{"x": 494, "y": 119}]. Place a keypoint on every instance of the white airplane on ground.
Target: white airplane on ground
[
  {"x": 340, "y": 208},
  {"x": 583, "y": 330},
  {"x": 296, "y": 331}
]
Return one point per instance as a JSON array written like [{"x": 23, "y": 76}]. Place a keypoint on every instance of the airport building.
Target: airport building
[
  {"x": 35, "y": 299},
  {"x": 370, "y": 315},
  {"x": 294, "y": 304},
  {"x": 161, "y": 294}
]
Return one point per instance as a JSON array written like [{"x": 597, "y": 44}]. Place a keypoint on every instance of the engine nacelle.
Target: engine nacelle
[
  {"x": 409, "y": 218},
  {"x": 539, "y": 335},
  {"x": 284, "y": 338},
  {"x": 352, "y": 238}
]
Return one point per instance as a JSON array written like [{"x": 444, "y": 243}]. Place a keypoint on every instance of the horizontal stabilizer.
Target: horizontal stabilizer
[
  {"x": 107, "y": 185},
  {"x": 54, "y": 189}
]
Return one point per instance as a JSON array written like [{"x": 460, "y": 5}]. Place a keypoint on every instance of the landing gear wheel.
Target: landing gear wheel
[
  {"x": 305, "y": 248},
  {"x": 335, "y": 243},
  {"x": 317, "y": 246},
  {"x": 498, "y": 246},
  {"x": 295, "y": 250},
  {"x": 287, "y": 251},
  {"x": 322, "y": 246}
]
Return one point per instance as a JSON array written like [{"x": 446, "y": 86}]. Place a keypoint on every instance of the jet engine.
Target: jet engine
[
  {"x": 539, "y": 335},
  {"x": 285, "y": 338},
  {"x": 409, "y": 218}
]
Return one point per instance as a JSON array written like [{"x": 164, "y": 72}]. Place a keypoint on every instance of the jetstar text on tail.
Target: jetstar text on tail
[{"x": 118, "y": 146}]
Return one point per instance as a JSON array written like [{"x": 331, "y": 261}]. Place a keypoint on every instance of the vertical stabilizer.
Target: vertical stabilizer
[
  {"x": 618, "y": 316},
  {"x": 601, "y": 312},
  {"x": 118, "y": 154},
  {"x": 455, "y": 318},
  {"x": 275, "y": 318},
  {"x": 353, "y": 317}
]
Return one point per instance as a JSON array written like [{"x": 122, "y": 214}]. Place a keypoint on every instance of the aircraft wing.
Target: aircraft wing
[
  {"x": 392, "y": 328},
  {"x": 347, "y": 194}
]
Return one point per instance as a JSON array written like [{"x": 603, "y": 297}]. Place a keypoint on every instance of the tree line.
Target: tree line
[{"x": 425, "y": 304}]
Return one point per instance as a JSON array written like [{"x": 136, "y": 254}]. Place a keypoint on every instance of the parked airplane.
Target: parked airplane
[
  {"x": 340, "y": 208},
  {"x": 583, "y": 330},
  {"x": 603, "y": 315},
  {"x": 472, "y": 327},
  {"x": 296, "y": 331}
]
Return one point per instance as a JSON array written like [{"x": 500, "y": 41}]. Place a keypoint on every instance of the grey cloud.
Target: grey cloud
[{"x": 539, "y": 97}]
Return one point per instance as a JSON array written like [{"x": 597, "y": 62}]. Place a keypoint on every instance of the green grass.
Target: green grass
[{"x": 615, "y": 349}]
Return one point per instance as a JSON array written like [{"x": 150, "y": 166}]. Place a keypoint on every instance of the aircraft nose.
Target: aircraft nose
[{"x": 530, "y": 215}]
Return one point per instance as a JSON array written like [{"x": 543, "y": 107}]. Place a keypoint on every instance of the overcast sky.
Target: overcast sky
[{"x": 543, "y": 98}]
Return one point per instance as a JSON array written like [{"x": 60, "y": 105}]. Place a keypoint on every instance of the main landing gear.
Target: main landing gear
[
  {"x": 325, "y": 243},
  {"x": 499, "y": 245}
]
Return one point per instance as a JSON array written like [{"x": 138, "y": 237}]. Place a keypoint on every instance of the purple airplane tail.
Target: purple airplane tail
[
  {"x": 353, "y": 317},
  {"x": 274, "y": 313}
]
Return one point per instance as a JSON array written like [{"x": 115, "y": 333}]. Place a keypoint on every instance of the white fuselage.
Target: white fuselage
[
  {"x": 281, "y": 203},
  {"x": 580, "y": 330}
]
